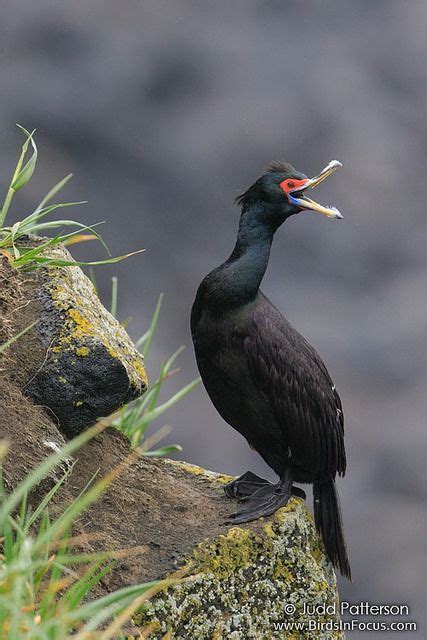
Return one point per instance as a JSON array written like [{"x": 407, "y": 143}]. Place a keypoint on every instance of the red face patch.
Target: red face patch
[{"x": 290, "y": 184}]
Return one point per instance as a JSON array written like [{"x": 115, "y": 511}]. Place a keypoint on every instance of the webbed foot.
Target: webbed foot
[
  {"x": 244, "y": 486},
  {"x": 264, "y": 500}
]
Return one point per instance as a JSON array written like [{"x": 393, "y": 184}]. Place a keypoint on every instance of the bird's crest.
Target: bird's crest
[
  {"x": 240, "y": 199},
  {"x": 278, "y": 166}
]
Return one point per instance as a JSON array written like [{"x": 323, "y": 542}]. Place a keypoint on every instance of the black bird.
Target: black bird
[{"x": 263, "y": 377}]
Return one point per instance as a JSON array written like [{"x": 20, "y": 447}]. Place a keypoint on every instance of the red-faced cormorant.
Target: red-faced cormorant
[{"x": 263, "y": 377}]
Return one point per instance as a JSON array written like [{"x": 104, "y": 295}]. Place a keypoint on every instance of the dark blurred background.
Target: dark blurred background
[{"x": 164, "y": 111}]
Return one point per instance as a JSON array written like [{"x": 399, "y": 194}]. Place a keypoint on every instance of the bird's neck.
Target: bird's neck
[{"x": 242, "y": 273}]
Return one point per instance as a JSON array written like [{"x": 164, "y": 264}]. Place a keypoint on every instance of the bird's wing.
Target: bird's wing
[{"x": 295, "y": 382}]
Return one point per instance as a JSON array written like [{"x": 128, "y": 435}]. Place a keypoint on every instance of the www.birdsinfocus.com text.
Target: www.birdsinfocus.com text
[{"x": 360, "y": 616}]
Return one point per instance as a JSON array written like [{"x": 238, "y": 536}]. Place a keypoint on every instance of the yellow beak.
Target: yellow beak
[{"x": 304, "y": 202}]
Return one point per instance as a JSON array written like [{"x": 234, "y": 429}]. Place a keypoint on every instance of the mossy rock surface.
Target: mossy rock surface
[
  {"x": 248, "y": 581},
  {"x": 89, "y": 366}
]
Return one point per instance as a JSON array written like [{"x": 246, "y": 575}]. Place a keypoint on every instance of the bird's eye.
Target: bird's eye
[{"x": 291, "y": 185}]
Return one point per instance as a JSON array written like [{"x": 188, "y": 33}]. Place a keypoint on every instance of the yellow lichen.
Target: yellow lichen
[
  {"x": 140, "y": 369},
  {"x": 191, "y": 468},
  {"x": 282, "y": 571},
  {"x": 195, "y": 470},
  {"x": 62, "y": 379},
  {"x": 82, "y": 351},
  {"x": 222, "y": 478},
  {"x": 238, "y": 548},
  {"x": 78, "y": 403},
  {"x": 239, "y": 582},
  {"x": 268, "y": 529},
  {"x": 80, "y": 323},
  {"x": 290, "y": 506},
  {"x": 83, "y": 326}
]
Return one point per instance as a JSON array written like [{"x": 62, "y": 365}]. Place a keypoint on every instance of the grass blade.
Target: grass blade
[
  {"x": 121, "y": 597},
  {"x": 152, "y": 328},
  {"x": 55, "y": 189},
  {"x": 34, "y": 251},
  {"x": 79, "y": 238},
  {"x": 27, "y": 222},
  {"x": 7, "y": 344},
  {"x": 25, "y": 174},
  {"x": 114, "y": 287},
  {"x": 54, "y": 224},
  {"x": 163, "y": 451},
  {"x": 175, "y": 398},
  {"x": 34, "y": 477},
  {"x": 57, "y": 262},
  {"x": 10, "y": 192}
]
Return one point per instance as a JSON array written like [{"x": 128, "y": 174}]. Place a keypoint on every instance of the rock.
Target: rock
[
  {"x": 241, "y": 583},
  {"x": 170, "y": 519},
  {"x": 90, "y": 367},
  {"x": 27, "y": 430},
  {"x": 30, "y": 435}
]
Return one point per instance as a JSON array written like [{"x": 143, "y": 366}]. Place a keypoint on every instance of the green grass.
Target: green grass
[
  {"x": 135, "y": 418},
  {"x": 29, "y": 254},
  {"x": 11, "y": 340},
  {"x": 45, "y": 578}
]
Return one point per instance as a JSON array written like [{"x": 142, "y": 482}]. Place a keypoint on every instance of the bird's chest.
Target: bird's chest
[
  {"x": 219, "y": 348},
  {"x": 225, "y": 371}
]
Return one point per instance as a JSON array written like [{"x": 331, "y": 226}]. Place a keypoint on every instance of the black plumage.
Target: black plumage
[{"x": 263, "y": 377}]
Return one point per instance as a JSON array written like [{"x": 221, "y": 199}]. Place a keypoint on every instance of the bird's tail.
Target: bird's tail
[{"x": 327, "y": 516}]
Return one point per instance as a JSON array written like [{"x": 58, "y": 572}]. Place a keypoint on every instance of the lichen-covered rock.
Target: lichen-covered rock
[
  {"x": 27, "y": 433},
  {"x": 170, "y": 518},
  {"x": 91, "y": 367},
  {"x": 249, "y": 581}
]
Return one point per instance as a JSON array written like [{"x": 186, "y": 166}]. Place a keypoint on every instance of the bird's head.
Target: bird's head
[{"x": 281, "y": 192}]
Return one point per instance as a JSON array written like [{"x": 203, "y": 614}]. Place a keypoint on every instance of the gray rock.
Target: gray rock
[
  {"x": 91, "y": 367},
  {"x": 250, "y": 581}
]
